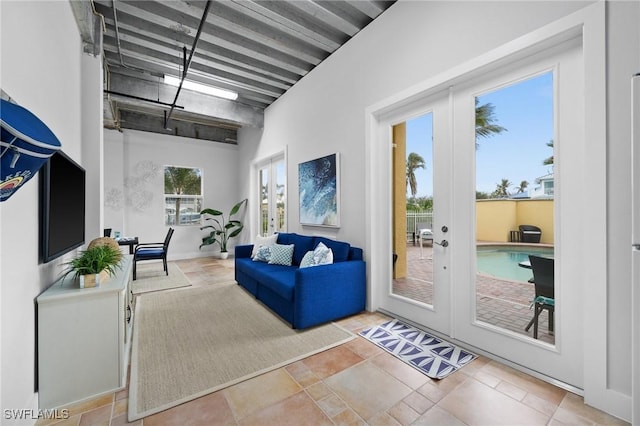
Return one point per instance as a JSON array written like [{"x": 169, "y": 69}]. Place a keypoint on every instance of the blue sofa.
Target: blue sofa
[{"x": 305, "y": 297}]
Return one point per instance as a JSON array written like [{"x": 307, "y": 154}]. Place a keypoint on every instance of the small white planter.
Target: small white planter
[
  {"x": 93, "y": 280},
  {"x": 224, "y": 254}
]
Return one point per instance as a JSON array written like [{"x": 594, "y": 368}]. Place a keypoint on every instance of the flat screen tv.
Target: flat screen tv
[{"x": 62, "y": 206}]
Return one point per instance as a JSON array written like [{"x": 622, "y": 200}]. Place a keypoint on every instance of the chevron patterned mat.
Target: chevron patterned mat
[{"x": 431, "y": 355}]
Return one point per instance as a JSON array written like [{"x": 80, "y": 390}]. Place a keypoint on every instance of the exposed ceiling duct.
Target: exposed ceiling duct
[{"x": 257, "y": 49}]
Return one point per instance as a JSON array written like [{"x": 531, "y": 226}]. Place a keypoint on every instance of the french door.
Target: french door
[
  {"x": 455, "y": 309},
  {"x": 561, "y": 357},
  {"x": 420, "y": 286},
  {"x": 272, "y": 214}
]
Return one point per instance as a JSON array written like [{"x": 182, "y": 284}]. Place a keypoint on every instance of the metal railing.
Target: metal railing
[
  {"x": 416, "y": 217},
  {"x": 264, "y": 221}
]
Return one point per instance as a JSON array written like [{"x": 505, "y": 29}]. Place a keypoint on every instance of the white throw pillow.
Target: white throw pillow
[
  {"x": 263, "y": 254},
  {"x": 322, "y": 255},
  {"x": 307, "y": 260},
  {"x": 263, "y": 241}
]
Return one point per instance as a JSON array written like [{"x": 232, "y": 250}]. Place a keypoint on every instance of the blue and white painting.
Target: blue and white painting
[{"x": 319, "y": 191}]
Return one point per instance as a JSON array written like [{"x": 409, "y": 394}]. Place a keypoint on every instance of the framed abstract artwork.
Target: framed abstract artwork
[{"x": 319, "y": 191}]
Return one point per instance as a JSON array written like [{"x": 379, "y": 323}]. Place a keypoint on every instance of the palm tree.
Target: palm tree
[
  {"x": 549, "y": 161},
  {"x": 414, "y": 162},
  {"x": 486, "y": 122},
  {"x": 502, "y": 189},
  {"x": 523, "y": 186}
]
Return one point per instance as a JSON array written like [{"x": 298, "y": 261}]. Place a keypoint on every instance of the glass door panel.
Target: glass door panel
[
  {"x": 514, "y": 202},
  {"x": 281, "y": 197},
  {"x": 272, "y": 183},
  {"x": 264, "y": 201},
  {"x": 413, "y": 269}
]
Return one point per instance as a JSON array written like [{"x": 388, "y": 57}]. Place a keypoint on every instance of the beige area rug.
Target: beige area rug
[
  {"x": 191, "y": 342},
  {"x": 151, "y": 277}
]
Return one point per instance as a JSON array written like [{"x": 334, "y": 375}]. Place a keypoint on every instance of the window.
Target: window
[{"x": 182, "y": 195}]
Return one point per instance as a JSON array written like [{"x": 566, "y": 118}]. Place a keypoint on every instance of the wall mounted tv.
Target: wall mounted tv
[{"x": 62, "y": 209}]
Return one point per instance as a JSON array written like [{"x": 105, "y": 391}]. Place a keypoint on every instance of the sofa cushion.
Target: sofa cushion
[
  {"x": 278, "y": 278},
  {"x": 302, "y": 244},
  {"x": 246, "y": 265},
  {"x": 340, "y": 249},
  {"x": 281, "y": 254}
]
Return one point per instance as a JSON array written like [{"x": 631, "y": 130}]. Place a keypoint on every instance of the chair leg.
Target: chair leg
[
  {"x": 530, "y": 322},
  {"x": 166, "y": 270},
  {"x": 134, "y": 269},
  {"x": 535, "y": 322}
]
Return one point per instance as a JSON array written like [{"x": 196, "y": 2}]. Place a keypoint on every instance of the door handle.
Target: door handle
[{"x": 444, "y": 243}]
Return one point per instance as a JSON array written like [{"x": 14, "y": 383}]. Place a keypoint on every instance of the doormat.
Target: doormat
[{"x": 431, "y": 355}]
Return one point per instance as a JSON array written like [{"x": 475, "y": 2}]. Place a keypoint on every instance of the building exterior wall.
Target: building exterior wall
[{"x": 495, "y": 219}]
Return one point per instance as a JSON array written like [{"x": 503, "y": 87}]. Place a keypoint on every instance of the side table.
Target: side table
[{"x": 128, "y": 241}]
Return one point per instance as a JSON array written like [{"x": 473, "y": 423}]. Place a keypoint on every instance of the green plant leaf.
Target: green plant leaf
[
  {"x": 212, "y": 212},
  {"x": 235, "y": 208},
  {"x": 221, "y": 231},
  {"x": 94, "y": 261},
  {"x": 235, "y": 233}
]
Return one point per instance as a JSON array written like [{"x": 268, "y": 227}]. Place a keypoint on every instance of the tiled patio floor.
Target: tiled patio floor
[{"x": 499, "y": 302}]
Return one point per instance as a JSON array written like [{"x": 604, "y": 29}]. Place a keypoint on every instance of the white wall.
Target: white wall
[
  {"x": 40, "y": 70},
  {"x": 408, "y": 44},
  {"x": 124, "y": 153},
  {"x": 324, "y": 112}
]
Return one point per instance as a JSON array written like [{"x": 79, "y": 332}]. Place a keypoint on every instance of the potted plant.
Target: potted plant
[
  {"x": 221, "y": 230},
  {"x": 95, "y": 264}
]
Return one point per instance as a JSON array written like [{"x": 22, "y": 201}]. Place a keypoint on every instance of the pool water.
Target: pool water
[{"x": 502, "y": 261}]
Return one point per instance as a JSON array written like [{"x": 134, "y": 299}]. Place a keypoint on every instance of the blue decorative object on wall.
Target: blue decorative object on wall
[
  {"x": 26, "y": 144},
  {"x": 319, "y": 190}
]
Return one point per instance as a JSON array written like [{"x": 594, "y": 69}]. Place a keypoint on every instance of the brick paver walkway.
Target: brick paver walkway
[{"x": 499, "y": 302}]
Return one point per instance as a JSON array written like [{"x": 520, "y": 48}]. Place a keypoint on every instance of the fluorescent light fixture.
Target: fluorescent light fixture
[{"x": 202, "y": 88}]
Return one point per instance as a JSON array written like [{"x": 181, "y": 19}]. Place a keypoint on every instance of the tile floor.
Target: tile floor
[{"x": 357, "y": 384}]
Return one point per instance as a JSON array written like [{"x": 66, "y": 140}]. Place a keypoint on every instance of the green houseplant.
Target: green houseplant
[
  {"x": 220, "y": 230},
  {"x": 93, "y": 263}
]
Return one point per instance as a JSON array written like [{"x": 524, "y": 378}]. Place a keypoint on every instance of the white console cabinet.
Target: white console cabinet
[{"x": 84, "y": 338}]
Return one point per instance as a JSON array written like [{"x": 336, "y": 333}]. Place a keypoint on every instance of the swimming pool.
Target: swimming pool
[{"x": 502, "y": 261}]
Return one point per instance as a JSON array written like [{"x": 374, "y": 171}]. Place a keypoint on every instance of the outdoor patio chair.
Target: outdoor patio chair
[
  {"x": 543, "y": 270},
  {"x": 530, "y": 234},
  {"x": 423, "y": 230},
  {"x": 152, "y": 251}
]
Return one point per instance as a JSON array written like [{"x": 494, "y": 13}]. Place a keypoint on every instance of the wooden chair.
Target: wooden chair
[{"x": 152, "y": 251}]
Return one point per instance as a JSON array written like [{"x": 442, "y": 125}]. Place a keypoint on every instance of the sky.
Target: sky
[{"x": 525, "y": 109}]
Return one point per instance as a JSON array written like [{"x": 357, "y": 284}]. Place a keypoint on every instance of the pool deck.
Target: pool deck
[
  {"x": 493, "y": 243},
  {"x": 499, "y": 302}
]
